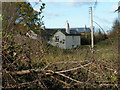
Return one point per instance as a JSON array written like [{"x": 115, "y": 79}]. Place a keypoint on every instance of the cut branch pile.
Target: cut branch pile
[{"x": 64, "y": 76}]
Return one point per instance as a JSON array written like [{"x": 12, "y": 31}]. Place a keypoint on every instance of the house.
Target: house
[
  {"x": 64, "y": 38},
  {"x": 83, "y": 31}
]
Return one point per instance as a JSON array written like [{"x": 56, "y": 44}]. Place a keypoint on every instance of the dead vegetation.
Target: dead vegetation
[
  {"x": 28, "y": 63},
  {"x": 31, "y": 64},
  {"x": 91, "y": 71}
]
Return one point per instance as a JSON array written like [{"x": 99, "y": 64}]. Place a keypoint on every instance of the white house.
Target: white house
[{"x": 66, "y": 39}]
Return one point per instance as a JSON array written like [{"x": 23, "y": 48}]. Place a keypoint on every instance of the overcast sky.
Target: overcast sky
[{"x": 56, "y": 13}]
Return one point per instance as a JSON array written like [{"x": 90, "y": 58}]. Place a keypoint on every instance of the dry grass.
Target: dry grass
[
  {"x": 68, "y": 67},
  {"x": 102, "y": 52}
]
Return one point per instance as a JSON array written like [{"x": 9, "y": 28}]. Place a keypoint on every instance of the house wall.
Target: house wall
[
  {"x": 61, "y": 43},
  {"x": 66, "y": 42},
  {"x": 72, "y": 41}
]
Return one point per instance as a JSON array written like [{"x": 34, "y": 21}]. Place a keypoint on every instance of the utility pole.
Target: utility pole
[{"x": 92, "y": 32}]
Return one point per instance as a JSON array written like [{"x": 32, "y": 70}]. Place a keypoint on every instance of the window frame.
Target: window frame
[{"x": 56, "y": 38}]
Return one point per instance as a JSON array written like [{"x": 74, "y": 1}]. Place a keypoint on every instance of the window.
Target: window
[
  {"x": 56, "y": 38},
  {"x": 63, "y": 41},
  {"x": 72, "y": 46}
]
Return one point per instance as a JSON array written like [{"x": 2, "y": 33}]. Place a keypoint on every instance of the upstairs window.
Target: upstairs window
[
  {"x": 72, "y": 46},
  {"x": 56, "y": 38}
]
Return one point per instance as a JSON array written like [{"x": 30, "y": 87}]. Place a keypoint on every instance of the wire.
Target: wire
[
  {"x": 95, "y": 4},
  {"x": 99, "y": 26}
]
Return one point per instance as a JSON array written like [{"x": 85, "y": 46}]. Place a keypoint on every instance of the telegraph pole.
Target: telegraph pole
[{"x": 92, "y": 32}]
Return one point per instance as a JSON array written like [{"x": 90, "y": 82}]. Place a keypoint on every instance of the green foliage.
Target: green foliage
[
  {"x": 29, "y": 17},
  {"x": 19, "y": 51},
  {"x": 86, "y": 40},
  {"x": 21, "y": 13},
  {"x": 100, "y": 37},
  {"x": 115, "y": 31},
  {"x": 104, "y": 43}
]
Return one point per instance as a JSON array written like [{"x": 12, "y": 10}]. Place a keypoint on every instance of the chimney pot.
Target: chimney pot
[{"x": 67, "y": 27}]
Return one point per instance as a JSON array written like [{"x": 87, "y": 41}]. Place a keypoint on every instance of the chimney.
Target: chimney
[
  {"x": 67, "y": 28},
  {"x": 85, "y": 29}
]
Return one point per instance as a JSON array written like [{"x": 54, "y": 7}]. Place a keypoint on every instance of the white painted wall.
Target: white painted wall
[
  {"x": 61, "y": 40},
  {"x": 72, "y": 41},
  {"x": 69, "y": 41}
]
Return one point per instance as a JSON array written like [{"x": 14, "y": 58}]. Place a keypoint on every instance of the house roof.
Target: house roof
[
  {"x": 51, "y": 31},
  {"x": 63, "y": 30},
  {"x": 81, "y": 29},
  {"x": 73, "y": 31}
]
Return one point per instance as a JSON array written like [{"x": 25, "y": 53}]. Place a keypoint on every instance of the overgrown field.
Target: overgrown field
[
  {"x": 103, "y": 51},
  {"x": 28, "y": 65},
  {"x": 90, "y": 70}
]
